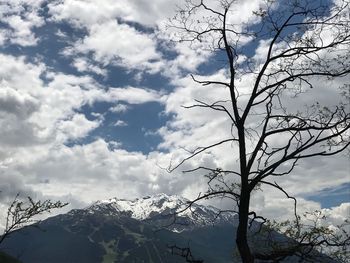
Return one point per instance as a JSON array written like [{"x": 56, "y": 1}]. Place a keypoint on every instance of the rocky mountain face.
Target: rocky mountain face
[{"x": 140, "y": 230}]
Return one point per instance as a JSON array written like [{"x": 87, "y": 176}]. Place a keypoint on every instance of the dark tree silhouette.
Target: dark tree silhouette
[
  {"x": 307, "y": 43},
  {"x": 184, "y": 252},
  {"x": 23, "y": 212}
]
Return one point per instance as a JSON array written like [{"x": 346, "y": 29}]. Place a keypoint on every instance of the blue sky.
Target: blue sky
[{"x": 90, "y": 106}]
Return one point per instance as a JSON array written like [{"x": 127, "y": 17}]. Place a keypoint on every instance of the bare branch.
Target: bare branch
[{"x": 21, "y": 213}]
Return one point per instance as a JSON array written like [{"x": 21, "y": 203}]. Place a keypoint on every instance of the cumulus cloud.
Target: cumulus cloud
[
  {"x": 84, "y": 65},
  {"x": 112, "y": 42},
  {"x": 11, "y": 184},
  {"x": 188, "y": 59},
  {"x": 13, "y": 102},
  {"x": 98, "y": 170},
  {"x": 31, "y": 111},
  {"x": 120, "y": 123},
  {"x": 76, "y": 127},
  {"x": 21, "y": 17},
  {"x": 144, "y": 12},
  {"x": 190, "y": 126},
  {"x": 39, "y": 117},
  {"x": 18, "y": 73},
  {"x": 37, "y": 112},
  {"x": 337, "y": 215},
  {"x": 119, "y": 108},
  {"x": 133, "y": 95},
  {"x": 116, "y": 171}
]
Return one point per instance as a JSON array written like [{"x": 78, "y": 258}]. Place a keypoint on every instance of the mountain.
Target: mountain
[
  {"x": 119, "y": 230},
  {"x": 163, "y": 210}
]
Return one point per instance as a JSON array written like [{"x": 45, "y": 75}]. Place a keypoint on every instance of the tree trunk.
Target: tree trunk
[{"x": 241, "y": 238}]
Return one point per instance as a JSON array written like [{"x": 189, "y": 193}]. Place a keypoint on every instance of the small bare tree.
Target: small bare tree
[
  {"x": 306, "y": 238},
  {"x": 23, "y": 212},
  {"x": 184, "y": 252},
  {"x": 307, "y": 44}
]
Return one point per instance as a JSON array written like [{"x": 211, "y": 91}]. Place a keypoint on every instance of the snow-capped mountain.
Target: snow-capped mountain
[
  {"x": 142, "y": 208},
  {"x": 139, "y": 230},
  {"x": 119, "y": 230},
  {"x": 173, "y": 211}
]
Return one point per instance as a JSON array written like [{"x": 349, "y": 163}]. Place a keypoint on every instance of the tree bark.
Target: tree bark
[
  {"x": 241, "y": 238},
  {"x": 243, "y": 214}
]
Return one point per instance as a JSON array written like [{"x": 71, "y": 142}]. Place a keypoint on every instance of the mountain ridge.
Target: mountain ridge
[
  {"x": 107, "y": 231},
  {"x": 161, "y": 207},
  {"x": 137, "y": 230}
]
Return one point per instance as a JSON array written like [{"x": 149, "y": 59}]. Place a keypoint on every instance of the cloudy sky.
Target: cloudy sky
[{"x": 91, "y": 96}]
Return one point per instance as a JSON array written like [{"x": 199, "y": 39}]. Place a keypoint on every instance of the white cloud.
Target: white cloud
[
  {"x": 112, "y": 42},
  {"x": 119, "y": 108},
  {"x": 79, "y": 12},
  {"x": 120, "y": 123},
  {"x": 84, "y": 13},
  {"x": 111, "y": 172},
  {"x": 16, "y": 72},
  {"x": 190, "y": 126},
  {"x": 37, "y": 113},
  {"x": 13, "y": 102},
  {"x": 115, "y": 42},
  {"x": 337, "y": 215},
  {"x": 188, "y": 59},
  {"x": 83, "y": 65},
  {"x": 76, "y": 127},
  {"x": 38, "y": 117},
  {"x": 133, "y": 95},
  {"x": 21, "y": 17}
]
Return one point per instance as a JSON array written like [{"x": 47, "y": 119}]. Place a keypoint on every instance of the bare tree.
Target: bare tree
[
  {"x": 306, "y": 238},
  {"x": 23, "y": 212},
  {"x": 307, "y": 44}
]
